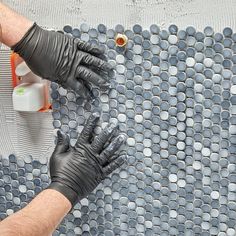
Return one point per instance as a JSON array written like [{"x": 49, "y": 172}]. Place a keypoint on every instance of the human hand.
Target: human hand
[
  {"x": 63, "y": 59},
  {"x": 76, "y": 171}
]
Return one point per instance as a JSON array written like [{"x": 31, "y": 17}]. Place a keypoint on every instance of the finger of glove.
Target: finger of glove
[
  {"x": 88, "y": 47},
  {"x": 87, "y": 131},
  {"x": 115, "y": 134},
  {"x": 100, "y": 72},
  {"x": 83, "y": 89},
  {"x": 87, "y": 74},
  {"x": 115, "y": 156},
  {"x": 105, "y": 76},
  {"x": 114, "y": 165},
  {"x": 77, "y": 86},
  {"x": 103, "y": 137},
  {"x": 103, "y": 57},
  {"x": 113, "y": 147},
  {"x": 91, "y": 60},
  {"x": 62, "y": 143}
]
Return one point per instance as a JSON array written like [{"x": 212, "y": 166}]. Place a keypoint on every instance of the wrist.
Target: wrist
[
  {"x": 59, "y": 198},
  {"x": 69, "y": 194},
  {"x": 13, "y": 26},
  {"x": 25, "y": 28},
  {"x": 28, "y": 35}
]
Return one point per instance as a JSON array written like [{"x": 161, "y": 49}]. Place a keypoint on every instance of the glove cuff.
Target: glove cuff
[
  {"x": 18, "y": 46},
  {"x": 70, "y": 194}
]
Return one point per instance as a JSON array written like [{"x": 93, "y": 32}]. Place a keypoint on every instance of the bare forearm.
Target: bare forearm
[
  {"x": 39, "y": 218},
  {"x": 12, "y": 25}
]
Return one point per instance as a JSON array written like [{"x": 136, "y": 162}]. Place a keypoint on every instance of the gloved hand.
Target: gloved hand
[
  {"x": 63, "y": 59},
  {"x": 76, "y": 171}
]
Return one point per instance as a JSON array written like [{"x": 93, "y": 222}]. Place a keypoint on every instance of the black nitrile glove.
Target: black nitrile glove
[
  {"x": 63, "y": 59},
  {"x": 76, "y": 171}
]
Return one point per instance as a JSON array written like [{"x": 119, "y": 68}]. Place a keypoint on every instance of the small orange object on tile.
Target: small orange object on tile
[{"x": 121, "y": 40}]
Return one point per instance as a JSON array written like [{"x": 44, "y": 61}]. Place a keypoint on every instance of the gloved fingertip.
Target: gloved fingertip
[
  {"x": 101, "y": 81},
  {"x": 59, "y": 134},
  {"x": 79, "y": 88},
  {"x": 125, "y": 161},
  {"x": 109, "y": 66},
  {"x": 95, "y": 114},
  {"x": 105, "y": 86},
  {"x": 119, "y": 140},
  {"x": 122, "y": 137},
  {"x": 67, "y": 139},
  {"x": 60, "y": 137},
  {"x": 125, "y": 157},
  {"x": 81, "y": 93},
  {"x": 88, "y": 92},
  {"x": 90, "y": 98},
  {"x": 62, "y": 143},
  {"x": 88, "y": 95},
  {"x": 110, "y": 127}
]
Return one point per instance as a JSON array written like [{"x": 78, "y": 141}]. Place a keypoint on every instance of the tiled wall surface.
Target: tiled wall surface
[{"x": 174, "y": 94}]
